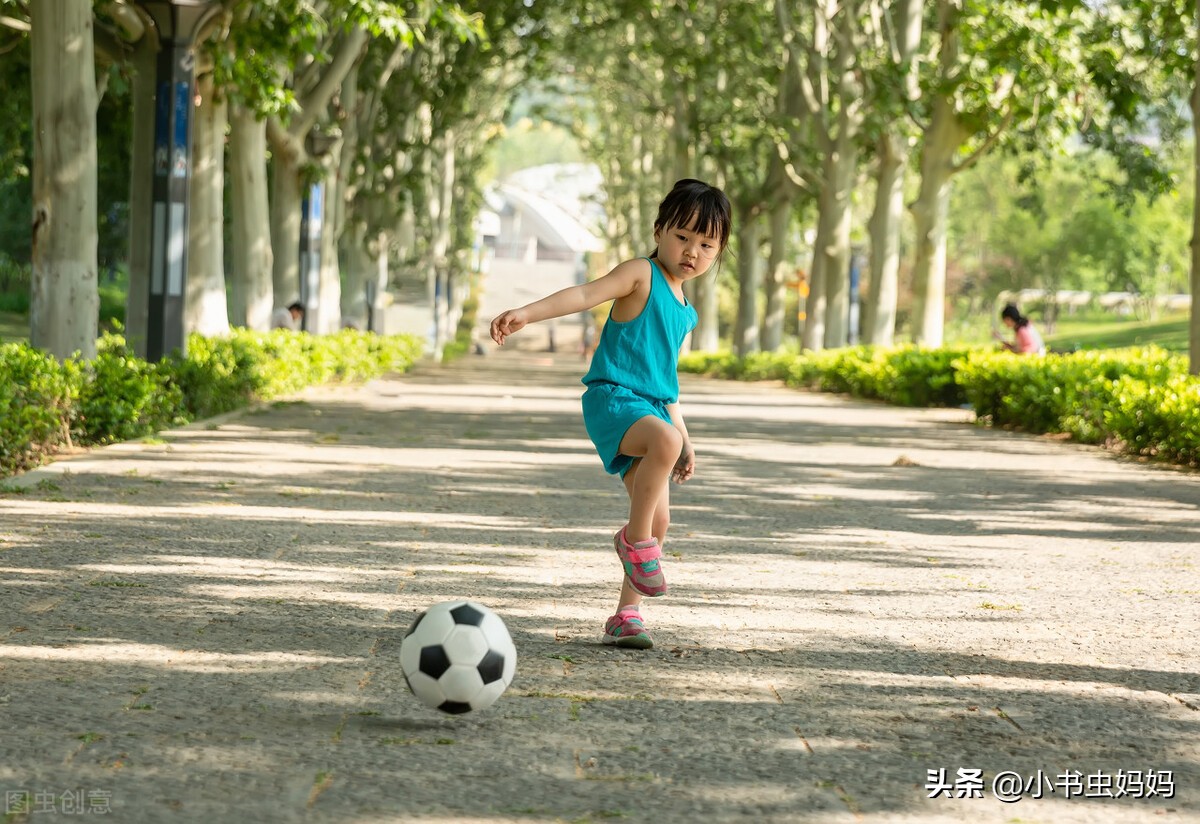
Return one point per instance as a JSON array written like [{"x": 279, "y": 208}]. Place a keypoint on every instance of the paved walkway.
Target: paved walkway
[{"x": 206, "y": 627}]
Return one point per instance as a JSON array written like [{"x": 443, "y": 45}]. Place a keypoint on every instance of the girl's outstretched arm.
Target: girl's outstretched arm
[{"x": 622, "y": 281}]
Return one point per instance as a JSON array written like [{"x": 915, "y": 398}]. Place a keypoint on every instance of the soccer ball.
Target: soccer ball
[{"x": 458, "y": 657}]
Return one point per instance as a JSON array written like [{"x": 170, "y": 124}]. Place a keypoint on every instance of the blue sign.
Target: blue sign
[{"x": 183, "y": 108}]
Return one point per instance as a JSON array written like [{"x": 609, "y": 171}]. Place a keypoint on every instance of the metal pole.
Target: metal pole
[
  {"x": 177, "y": 23},
  {"x": 172, "y": 174}
]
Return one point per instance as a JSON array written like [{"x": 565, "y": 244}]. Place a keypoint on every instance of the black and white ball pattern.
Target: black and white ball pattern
[{"x": 458, "y": 657}]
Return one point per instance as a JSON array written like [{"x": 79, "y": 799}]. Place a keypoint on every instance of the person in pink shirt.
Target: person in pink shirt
[{"x": 1026, "y": 340}]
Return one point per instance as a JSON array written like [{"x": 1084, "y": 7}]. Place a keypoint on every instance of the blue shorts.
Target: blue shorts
[{"x": 608, "y": 412}]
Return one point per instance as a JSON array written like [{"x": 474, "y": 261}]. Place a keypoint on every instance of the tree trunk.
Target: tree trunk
[
  {"x": 842, "y": 167},
  {"x": 65, "y": 304},
  {"x": 777, "y": 275},
  {"x": 366, "y": 276},
  {"x": 290, "y": 156},
  {"x": 750, "y": 277},
  {"x": 931, "y": 209},
  {"x": 287, "y": 198},
  {"x": 141, "y": 197},
  {"x": 682, "y": 144},
  {"x": 930, "y": 214},
  {"x": 894, "y": 151},
  {"x": 813, "y": 337},
  {"x": 440, "y": 194},
  {"x": 377, "y": 301},
  {"x": 641, "y": 216},
  {"x": 884, "y": 290},
  {"x": 330, "y": 282},
  {"x": 251, "y": 257},
  {"x": 205, "y": 307},
  {"x": 1194, "y": 325},
  {"x": 358, "y": 272},
  {"x": 350, "y": 231},
  {"x": 706, "y": 337}
]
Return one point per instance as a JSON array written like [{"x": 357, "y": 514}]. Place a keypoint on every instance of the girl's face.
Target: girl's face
[
  {"x": 685, "y": 253},
  {"x": 1010, "y": 323}
]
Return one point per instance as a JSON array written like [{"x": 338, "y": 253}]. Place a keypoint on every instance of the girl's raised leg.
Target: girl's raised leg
[
  {"x": 659, "y": 523},
  {"x": 657, "y": 444}
]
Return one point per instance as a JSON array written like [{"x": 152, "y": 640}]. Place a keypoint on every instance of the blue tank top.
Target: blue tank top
[{"x": 643, "y": 354}]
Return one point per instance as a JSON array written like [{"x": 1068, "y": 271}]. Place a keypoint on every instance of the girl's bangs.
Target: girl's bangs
[{"x": 701, "y": 215}]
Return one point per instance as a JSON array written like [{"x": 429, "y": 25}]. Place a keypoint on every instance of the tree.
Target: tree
[
  {"x": 901, "y": 37},
  {"x": 206, "y": 305},
  {"x": 743, "y": 139},
  {"x": 685, "y": 89},
  {"x": 1194, "y": 325},
  {"x": 646, "y": 77},
  {"x": 828, "y": 85},
  {"x": 1001, "y": 67},
  {"x": 65, "y": 301},
  {"x": 251, "y": 293},
  {"x": 1144, "y": 58},
  {"x": 293, "y": 162}
]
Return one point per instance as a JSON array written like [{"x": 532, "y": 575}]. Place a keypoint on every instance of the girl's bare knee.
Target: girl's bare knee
[{"x": 669, "y": 442}]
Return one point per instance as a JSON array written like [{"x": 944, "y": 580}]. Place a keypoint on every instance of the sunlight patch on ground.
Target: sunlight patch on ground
[
  {"x": 243, "y": 568},
  {"x": 261, "y": 460},
  {"x": 110, "y": 651},
  {"x": 92, "y": 510},
  {"x": 290, "y": 594}
]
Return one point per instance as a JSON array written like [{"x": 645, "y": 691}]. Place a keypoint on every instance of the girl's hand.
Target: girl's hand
[
  {"x": 507, "y": 323},
  {"x": 685, "y": 467}
]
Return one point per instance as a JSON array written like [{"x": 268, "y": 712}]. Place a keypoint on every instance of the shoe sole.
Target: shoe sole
[{"x": 628, "y": 642}]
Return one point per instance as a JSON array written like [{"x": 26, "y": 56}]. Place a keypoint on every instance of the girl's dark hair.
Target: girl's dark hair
[
  {"x": 1011, "y": 312},
  {"x": 689, "y": 199}
]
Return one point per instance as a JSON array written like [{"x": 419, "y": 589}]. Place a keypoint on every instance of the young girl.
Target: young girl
[
  {"x": 631, "y": 407},
  {"x": 1026, "y": 340}
]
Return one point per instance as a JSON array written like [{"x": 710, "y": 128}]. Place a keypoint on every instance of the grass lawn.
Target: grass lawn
[
  {"x": 1170, "y": 333},
  {"x": 13, "y": 327}
]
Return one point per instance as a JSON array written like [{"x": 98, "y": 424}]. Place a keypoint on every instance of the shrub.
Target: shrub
[
  {"x": 1160, "y": 420},
  {"x": 915, "y": 376},
  {"x": 122, "y": 397},
  {"x": 220, "y": 374},
  {"x": 117, "y": 396},
  {"x": 37, "y": 396},
  {"x": 1140, "y": 400}
]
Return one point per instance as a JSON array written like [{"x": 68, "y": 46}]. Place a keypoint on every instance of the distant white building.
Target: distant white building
[
  {"x": 549, "y": 219},
  {"x": 548, "y": 212}
]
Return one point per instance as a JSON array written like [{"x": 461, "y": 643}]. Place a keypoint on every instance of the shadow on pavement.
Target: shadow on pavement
[{"x": 212, "y": 624}]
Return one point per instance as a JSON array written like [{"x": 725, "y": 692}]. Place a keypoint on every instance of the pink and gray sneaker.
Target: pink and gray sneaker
[
  {"x": 641, "y": 562},
  {"x": 625, "y": 629}
]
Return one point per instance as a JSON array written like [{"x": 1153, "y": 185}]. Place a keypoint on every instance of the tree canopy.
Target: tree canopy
[{"x": 1034, "y": 143}]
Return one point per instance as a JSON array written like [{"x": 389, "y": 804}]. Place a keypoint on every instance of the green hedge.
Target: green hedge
[
  {"x": 1137, "y": 400},
  {"x": 904, "y": 375},
  {"x": 37, "y": 396},
  {"x": 46, "y": 404}
]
